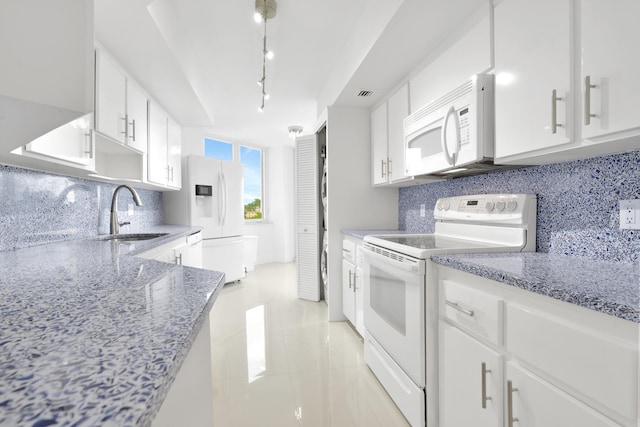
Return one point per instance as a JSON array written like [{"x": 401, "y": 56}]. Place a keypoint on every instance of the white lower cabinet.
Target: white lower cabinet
[
  {"x": 348, "y": 291},
  {"x": 185, "y": 251},
  {"x": 352, "y": 279},
  {"x": 470, "y": 378},
  {"x": 557, "y": 364},
  {"x": 532, "y": 402}
]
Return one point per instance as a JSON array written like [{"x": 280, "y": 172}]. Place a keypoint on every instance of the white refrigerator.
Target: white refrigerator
[{"x": 211, "y": 197}]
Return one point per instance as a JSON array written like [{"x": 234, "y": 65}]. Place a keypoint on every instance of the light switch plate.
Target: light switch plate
[
  {"x": 130, "y": 210},
  {"x": 422, "y": 211},
  {"x": 630, "y": 214}
]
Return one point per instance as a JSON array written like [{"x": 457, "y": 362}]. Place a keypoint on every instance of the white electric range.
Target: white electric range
[{"x": 400, "y": 293}]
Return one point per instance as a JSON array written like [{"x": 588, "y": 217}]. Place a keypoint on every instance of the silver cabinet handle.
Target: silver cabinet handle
[
  {"x": 350, "y": 274},
  {"x": 587, "y": 100},
  {"x": 485, "y": 371},
  {"x": 89, "y": 151},
  {"x": 389, "y": 167},
  {"x": 179, "y": 259},
  {"x": 554, "y": 114},
  {"x": 460, "y": 309},
  {"x": 510, "y": 390},
  {"x": 382, "y": 174},
  {"x": 126, "y": 124},
  {"x": 133, "y": 130}
]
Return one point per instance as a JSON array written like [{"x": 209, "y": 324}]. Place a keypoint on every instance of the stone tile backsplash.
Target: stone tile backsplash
[
  {"x": 578, "y": 203},
  {"x": 38, "y": 208}
]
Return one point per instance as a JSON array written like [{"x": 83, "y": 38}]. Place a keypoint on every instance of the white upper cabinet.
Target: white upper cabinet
[
  {"x": 533, "y": 75},
  {"x": 379, "y": 141},
  {"x": 121, "y": 106},
  {"x": 71, "y": 144},
  {"x": 110, "y": 98},
  {"x": 397, "y": 111},
  {"x": 465, "y": 56},
  {"x": 174, "y": 153},
  {"x": 47, "y": 67},
  {"x": 565, "y": 79},
  {"x": 387, "y": 141},
  {"x": 136, "y": 117},
  {"x": 164, "y": 151},
  {"x": 158, "y": 169},
  {"x": 610, "y": 66}
]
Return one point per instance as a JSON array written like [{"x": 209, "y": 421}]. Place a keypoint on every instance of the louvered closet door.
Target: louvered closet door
[{"x": 308, "y": 257}]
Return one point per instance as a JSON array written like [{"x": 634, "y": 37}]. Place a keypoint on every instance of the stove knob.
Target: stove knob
[
  {"x": 446, "y": 206},
  {"x": 512, "y": 205},
  {"x": 439, "y": 206},
  {"x": 488, "y": 206},
  {"x": 500, "y": 206}
]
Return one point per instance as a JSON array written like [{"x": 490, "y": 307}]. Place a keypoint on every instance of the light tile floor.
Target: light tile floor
[{"x": 278, "y": 362}]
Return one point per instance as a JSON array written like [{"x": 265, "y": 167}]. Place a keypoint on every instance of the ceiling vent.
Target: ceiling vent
[{"x": 365, "y": 93}]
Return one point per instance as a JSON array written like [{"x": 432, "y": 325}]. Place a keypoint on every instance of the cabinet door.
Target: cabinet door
[
  {"x": 158, "y": 171},
  {"x": 348, "y": 291},
  {"x": 359, "y": 280},
  {"x": 72, "y": 143},
  {"x": 535, "y": 403},
  {"x": 610, "y": 34},
  {"x": 110, "y": 99},
  {"x": 532, "y": 59},
  {"x": 398, "y": 109},
  {"x": 470, "y": 392},
  {"x": 136, "y": 117},
  {"x": 174, "y": 150},
  {"x": 379, "y": 144}
]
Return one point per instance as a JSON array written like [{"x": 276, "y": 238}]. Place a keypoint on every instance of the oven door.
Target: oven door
[{"x": 394, "y": 308}]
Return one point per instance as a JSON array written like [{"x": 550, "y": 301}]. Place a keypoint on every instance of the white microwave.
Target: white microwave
[{"x": 453, "y": 135}]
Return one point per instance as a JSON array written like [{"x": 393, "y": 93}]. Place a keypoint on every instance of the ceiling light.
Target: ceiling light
[
  {"x": 294, "y": 131},
  {"x": 265, "y": 10}
]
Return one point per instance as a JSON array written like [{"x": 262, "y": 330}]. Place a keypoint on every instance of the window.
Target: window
[
  {"x": 251, "y": 159},
  {"x": 218, "y": 149}
]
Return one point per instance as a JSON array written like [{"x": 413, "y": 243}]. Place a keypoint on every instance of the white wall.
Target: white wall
[
  {"x": 276, "y": 238},
  {"x": 276, "y": 233}
]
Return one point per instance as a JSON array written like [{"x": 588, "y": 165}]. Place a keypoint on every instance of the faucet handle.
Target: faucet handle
[{"x": 124, "y": 222}]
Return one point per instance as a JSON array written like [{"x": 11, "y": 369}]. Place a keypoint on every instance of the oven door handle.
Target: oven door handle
[{"x": 407, "y": 265}]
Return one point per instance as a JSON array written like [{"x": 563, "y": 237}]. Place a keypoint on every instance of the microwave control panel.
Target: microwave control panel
[{"x": 463, "y": 120}]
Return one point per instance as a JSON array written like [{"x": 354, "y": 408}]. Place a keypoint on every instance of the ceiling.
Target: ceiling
[{"x": 201, "y": 59}]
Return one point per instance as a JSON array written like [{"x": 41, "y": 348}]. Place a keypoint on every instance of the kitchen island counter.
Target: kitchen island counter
[
  {"x": 609, "y": 287},
  {"x": 93, "y": 335}
]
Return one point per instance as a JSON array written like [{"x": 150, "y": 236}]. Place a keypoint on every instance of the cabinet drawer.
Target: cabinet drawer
[
  {"x": 476, "y": 311},
  {"x": 601, "y": 367},
  {"x": 349, "y": 250}
]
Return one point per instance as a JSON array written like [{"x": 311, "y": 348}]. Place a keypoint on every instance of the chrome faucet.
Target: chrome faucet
[{"x": 115, "y": 225}]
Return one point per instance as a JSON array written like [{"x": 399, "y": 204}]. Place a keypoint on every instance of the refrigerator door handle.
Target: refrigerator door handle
[
  {"x": 220, "y": 198},
  {"x": 224, "y": 183}
]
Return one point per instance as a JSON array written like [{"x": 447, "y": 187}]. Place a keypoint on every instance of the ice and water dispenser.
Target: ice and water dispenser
[{"x": 204, "y": 201}]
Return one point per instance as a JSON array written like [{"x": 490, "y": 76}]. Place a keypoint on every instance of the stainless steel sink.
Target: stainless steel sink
[{"x": 131, "y": 237}]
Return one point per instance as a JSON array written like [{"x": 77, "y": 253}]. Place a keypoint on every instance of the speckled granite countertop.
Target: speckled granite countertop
[
  {"x": 609, "y": 287},
  {"x": 359, "y": 234},
  {"x": 92, "y": 335}
]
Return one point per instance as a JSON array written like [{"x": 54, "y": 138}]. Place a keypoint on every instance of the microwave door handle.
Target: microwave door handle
[{"x": 451, "y": 159}]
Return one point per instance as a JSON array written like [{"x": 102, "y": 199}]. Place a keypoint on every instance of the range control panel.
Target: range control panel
[{"x": 509, "y": 208}]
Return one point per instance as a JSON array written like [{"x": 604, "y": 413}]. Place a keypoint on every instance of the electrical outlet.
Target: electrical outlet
[
  {"x": 629, "y": 214},
  {"x": 130, "y": 210},
  {"x": 423, "y": 212}
]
